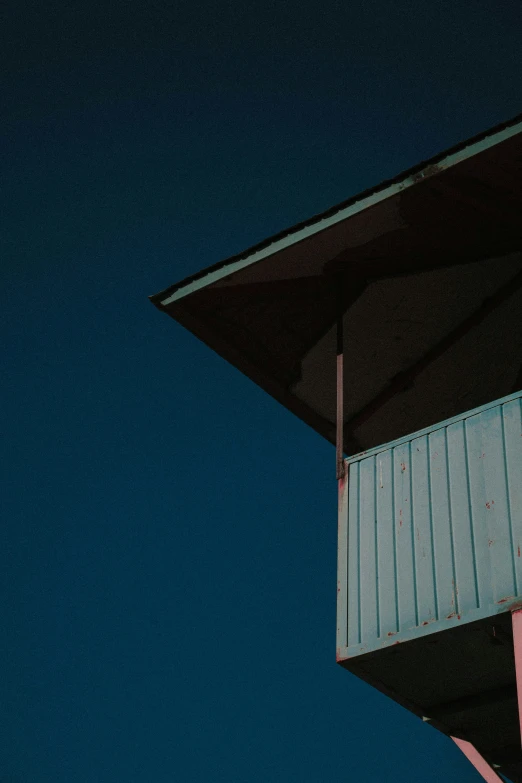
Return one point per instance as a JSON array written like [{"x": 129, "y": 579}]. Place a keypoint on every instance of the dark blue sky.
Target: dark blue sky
[{"x": 169, "y": 546}]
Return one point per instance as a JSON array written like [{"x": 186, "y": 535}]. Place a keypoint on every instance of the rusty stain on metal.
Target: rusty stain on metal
[
  {"x": 429, "y": 171},
  {"x": 451, "y": 616},
  {"x": 403, "y": 466},
  {"x": 490, "y": 542},
  {"x": 490, "y": 503},
  {"x": 342, "y": 483},
  {"x": 518, "y": 551}
]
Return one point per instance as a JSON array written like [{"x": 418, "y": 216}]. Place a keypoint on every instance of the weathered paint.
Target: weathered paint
[
  {"x": 430, "y": 528},
  {"x": 480, "y": 764}
]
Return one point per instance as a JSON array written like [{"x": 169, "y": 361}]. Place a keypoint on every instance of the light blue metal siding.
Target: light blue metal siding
[{"x": 430, "y": 529}]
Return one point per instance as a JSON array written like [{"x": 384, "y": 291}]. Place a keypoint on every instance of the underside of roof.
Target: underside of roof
[{"x": 426, "y": 272}]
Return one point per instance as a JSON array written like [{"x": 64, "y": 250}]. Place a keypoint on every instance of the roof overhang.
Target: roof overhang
[{"x": 428, "y": 269}]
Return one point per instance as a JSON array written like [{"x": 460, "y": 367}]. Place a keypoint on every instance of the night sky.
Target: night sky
[{"x": 168, "y": 563}]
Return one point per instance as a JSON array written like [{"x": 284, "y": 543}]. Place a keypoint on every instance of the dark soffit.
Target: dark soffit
[{"x": 270, "y": 310}]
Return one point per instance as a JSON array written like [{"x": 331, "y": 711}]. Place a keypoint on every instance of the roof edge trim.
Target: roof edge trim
[{"x": 358, "y": 203}]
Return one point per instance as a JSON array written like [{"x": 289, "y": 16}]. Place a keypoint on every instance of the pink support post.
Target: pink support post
[
  {"x": 480, "y": 764},
  {"x": 339, "y": 436},
  {"x": 340, "y": 419},
  {"x": 516, "y": 619}
]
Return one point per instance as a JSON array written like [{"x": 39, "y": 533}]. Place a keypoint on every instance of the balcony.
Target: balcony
[{"x": 430, "y": 566}]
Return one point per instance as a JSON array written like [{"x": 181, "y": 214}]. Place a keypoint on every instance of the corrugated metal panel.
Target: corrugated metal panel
[{"x": 430, "y": 529}]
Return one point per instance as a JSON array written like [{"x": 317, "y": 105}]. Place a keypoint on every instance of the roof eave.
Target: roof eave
[{"x": 338, "y": 213}]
